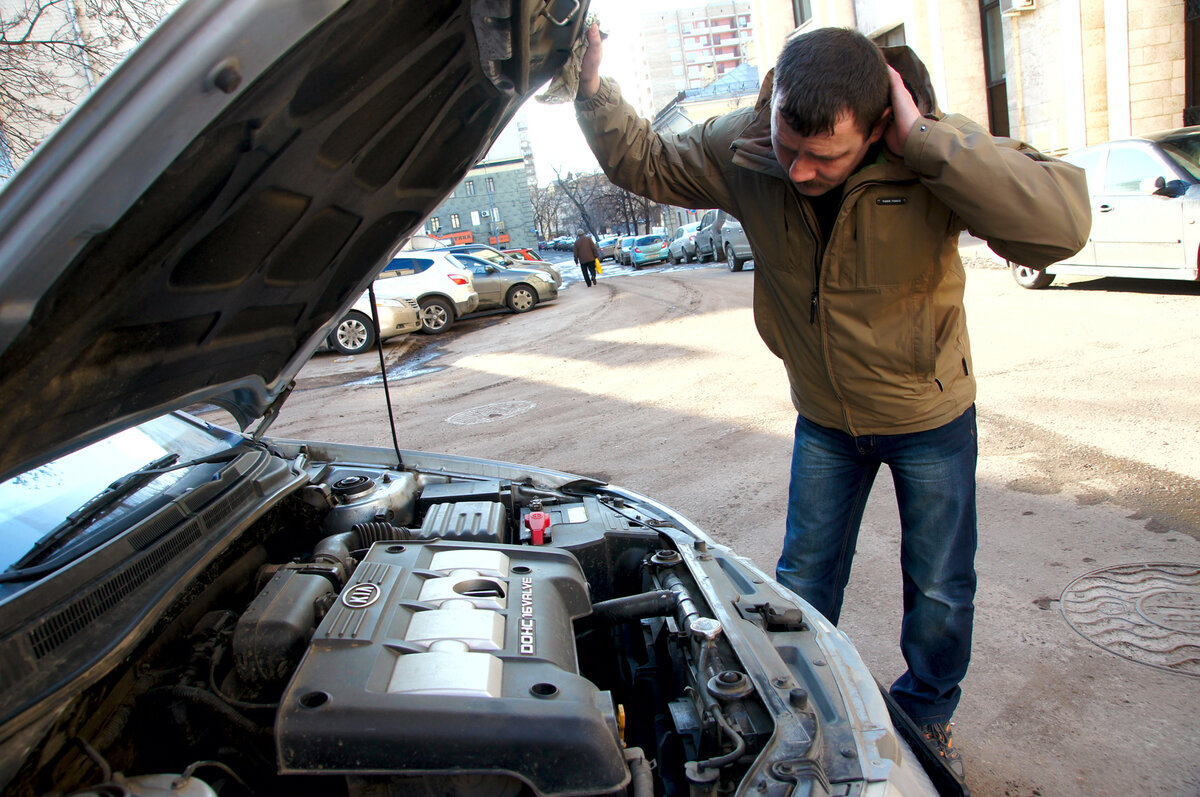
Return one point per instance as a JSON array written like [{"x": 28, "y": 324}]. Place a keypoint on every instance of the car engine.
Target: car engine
[{"x": 392, "y": 632}]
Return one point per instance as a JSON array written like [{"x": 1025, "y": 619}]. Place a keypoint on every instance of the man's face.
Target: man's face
[{"x": 817, "y": 164}]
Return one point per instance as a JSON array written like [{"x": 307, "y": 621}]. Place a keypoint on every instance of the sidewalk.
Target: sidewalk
[{"x": 976, "y": 254}]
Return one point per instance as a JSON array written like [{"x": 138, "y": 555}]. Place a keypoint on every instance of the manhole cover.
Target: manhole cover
[
  {"x": 1148, "y": 613},
  {"x": 491, "y": 412}
]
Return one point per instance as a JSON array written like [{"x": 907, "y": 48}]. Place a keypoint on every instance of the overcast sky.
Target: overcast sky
[{"x": 553, "y": 131}]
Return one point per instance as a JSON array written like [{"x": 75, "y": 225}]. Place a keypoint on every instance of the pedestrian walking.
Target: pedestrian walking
[
  {"x": 853, "y": 197},
  {"x": 587, "y": 255}
]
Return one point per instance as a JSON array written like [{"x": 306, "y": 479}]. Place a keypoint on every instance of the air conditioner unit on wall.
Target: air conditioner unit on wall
[
  {"x": 483, "y": 214},
  {"x": 1016, "y": 6}
]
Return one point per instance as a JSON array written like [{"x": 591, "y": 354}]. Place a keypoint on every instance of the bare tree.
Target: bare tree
[
  {"x": 52, "y": 52},
  {"x": 546, "y": 203}
]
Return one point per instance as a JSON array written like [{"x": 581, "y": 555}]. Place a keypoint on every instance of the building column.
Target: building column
[
  {"x": 1074, "y": 86},
  {"x": 1116, "y": 47}
]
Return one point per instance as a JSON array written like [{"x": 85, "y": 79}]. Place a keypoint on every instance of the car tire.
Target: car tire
[
  {"x": 1029, "y": 278},
  {"x": 521, "y": 298},
  {"x": 436, "y": 315},
  {"x": 354, "y": 334},
  {"x": 733, "y": 261},
  {"x": 671, "y": 259}
]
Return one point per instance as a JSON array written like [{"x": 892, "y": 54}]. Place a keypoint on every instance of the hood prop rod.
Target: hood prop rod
[{"x": 387, "y": 394}]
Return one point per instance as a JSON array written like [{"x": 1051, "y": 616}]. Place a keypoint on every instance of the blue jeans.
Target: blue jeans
[{"x": 934, "y": 475}]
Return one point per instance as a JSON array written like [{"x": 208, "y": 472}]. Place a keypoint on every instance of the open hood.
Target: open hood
[{"x": 191, "y": 231}]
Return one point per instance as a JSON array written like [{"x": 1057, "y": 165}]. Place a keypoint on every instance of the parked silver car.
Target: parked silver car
[
  {"x": 192, "y": 609},
  {"x": 607, "y": 247},
  {"x": 518, "y": 289},
  {"x": 721, "y": 236},
  {"x": 1145, "y": 196},
  {"x": 682, "y": 248},
  {"x": 494, "y": 255}
]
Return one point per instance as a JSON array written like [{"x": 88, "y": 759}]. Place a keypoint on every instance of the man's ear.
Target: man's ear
[{"x": 881, "y": 126}]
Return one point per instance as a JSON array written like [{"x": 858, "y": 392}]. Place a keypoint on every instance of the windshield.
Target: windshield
[
  {"x": 36, "y": 502},
  {"x": 1185, "y": 151},
  {"x": 492, "y": 257}
]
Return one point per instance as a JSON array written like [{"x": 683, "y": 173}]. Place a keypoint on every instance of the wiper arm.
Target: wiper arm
[{"x": 86, "y": 514}]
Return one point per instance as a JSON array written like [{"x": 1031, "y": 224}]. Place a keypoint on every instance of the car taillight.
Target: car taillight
[
  {"x": 637, "y": 249},
  {"x": 457, "y": 280}
]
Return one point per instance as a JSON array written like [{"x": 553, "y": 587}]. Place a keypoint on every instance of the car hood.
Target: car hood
[{"x": 190, "y": 232}]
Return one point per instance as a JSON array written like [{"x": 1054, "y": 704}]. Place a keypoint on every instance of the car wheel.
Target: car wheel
[
  {"x": 1030, "y": 278},
  {"x": 521, "y": 298},
  {"x": 436, "y": 315},
  {"x": 354, "y": 334},
  {"x": 731, "y": 260},
  {"x": 671, "y": 259}
]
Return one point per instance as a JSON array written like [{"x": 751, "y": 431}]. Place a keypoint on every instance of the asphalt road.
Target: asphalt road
[{"x": 1089, "y": 413}]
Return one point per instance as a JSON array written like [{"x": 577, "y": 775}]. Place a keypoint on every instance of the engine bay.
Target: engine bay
[{"x": 387, "y": 631}]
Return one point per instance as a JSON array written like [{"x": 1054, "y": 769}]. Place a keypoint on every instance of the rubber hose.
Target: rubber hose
[
  {"x": 642, "y": 784},
  {"x": 208, "y": 699},
  {"x": 739, "y": 746},
  {"x": 659, "y": 603}
]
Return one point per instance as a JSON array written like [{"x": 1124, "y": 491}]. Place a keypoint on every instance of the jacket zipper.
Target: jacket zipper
[{"x": 814, "y": 299}]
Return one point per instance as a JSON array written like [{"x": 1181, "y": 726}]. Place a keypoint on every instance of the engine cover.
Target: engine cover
[{"x": 454, "y": 658}]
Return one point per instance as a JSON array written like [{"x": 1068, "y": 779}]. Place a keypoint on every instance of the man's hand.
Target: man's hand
[
  {"x": 904, "y": 114},
  {"x": 589, "y": 72}
]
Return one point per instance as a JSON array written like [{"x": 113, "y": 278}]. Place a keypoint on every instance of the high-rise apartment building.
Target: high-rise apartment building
[{"x": 691, "y": 47}]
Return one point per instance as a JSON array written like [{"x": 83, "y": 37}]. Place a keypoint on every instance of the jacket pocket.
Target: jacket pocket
[{"x": 901, "y": 231}]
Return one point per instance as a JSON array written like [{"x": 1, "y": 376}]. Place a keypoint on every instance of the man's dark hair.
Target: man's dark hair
[{"x": 821, "y": 75}]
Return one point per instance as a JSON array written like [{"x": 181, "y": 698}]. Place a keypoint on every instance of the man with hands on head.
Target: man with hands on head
[{"x": 853, "y": 198}]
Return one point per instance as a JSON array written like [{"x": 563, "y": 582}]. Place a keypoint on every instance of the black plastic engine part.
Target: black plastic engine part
[
  {"x": 454, "y": 659},
  {"x": 475, "y": 521},
  {"x": 493, "y": 490},
  {"x": 272, "y": 634}
]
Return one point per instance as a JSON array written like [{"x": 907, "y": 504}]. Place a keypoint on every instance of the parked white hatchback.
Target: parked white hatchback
[{"x": 443, "y": 289}]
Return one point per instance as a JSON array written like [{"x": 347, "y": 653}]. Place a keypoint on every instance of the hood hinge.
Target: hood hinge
[{"x": 272, "y": 412}]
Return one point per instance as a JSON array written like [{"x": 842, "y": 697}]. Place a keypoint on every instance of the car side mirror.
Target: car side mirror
[
  {"x": 1152, "y": 185},
  {"x": 1172, "y": 189}
]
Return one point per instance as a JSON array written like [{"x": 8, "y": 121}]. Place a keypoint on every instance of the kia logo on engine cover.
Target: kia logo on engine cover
[{"x": 360, "y": 596}]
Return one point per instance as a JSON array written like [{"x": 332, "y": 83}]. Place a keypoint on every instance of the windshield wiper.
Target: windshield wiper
[{"x": 88, "y": 513}]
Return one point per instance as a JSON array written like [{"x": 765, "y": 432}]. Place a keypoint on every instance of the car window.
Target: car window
[
  {"x": 408, "y": 265},
  {"x": 1185, "y": 151},
  {"x": 1089, "y": 161},
  {"x": 1128, "y": 167},
  {"x": 649, "y": 239}
]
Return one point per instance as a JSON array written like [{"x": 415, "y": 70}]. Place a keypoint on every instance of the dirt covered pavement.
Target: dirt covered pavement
[{"x": 1089, "y": 413}]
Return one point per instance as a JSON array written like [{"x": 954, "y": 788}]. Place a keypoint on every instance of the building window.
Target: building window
[
  {"x": 496, "y": 214},
  {"x": 994, "y": 68},
  {"x": 677, "y": 71},
  {"x": 469, "y": 187},
  {"x": 474, "y": 218},
  {"x": 491, "y": 185},
  {"x": 435, "y": 224},
  {"x": 454, "y": 221},
  {"x": 802, "y": 11}
]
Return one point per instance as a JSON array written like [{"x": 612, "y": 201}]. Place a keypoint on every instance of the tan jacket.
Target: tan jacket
[{"x": 870, "y": 324}]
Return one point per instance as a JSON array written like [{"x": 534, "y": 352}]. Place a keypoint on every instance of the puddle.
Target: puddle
[{"x": 407, "y": 368}]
